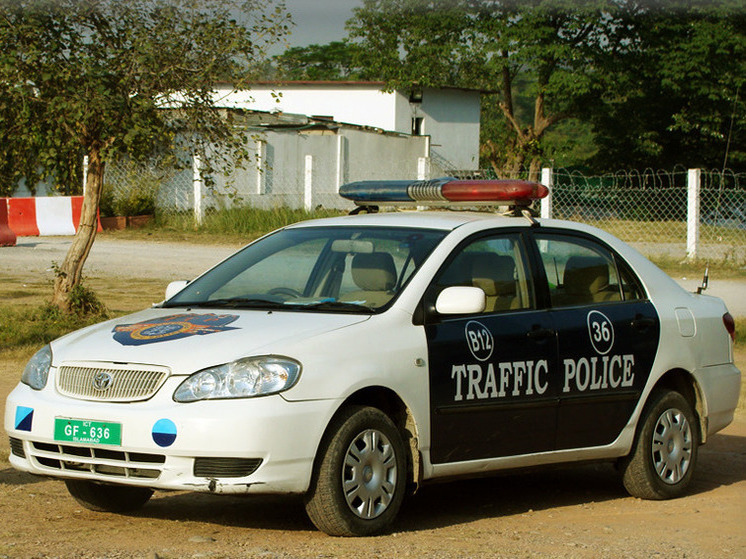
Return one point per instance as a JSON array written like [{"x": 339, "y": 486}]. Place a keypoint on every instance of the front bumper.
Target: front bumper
[{"x": 256, "y": 445}]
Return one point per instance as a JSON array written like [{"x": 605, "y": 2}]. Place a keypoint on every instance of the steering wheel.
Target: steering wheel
[{"x": 288, "y": 292}]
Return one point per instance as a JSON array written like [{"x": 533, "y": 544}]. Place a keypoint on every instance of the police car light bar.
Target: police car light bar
[{"x": 444, "y": 191}]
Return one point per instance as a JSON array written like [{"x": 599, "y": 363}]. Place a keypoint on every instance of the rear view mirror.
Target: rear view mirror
[
  {"x": 352, "y": 246},
  {"x": 174, "y": 287},
  {"x": 460, "y": 300}
]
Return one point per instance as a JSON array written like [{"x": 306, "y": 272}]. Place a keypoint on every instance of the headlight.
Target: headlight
[
  {"x": 244, "y": 378},
  {"x": 37, "y": 369}
]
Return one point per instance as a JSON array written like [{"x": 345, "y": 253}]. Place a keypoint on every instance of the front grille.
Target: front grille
[
  {"x": 225, "y": 467},
  {"x": 110, "y": 382},
  {"x": 101, "y": 461},
  {"x": 16, "y": 447}
]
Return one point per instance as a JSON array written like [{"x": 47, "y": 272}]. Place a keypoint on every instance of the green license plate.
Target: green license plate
[{"x": 89, "y": 432}]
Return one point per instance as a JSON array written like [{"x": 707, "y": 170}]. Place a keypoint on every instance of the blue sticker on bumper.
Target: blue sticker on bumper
[
  {"x": 24, "y": 418},
  {"x": 164, "y": 432}
]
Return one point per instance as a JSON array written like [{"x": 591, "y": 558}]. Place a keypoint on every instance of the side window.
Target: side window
[
  {"x": 579, "y": 272},
  {"x": 497, "y": 265},
  {"x": 631, "y": 286}
]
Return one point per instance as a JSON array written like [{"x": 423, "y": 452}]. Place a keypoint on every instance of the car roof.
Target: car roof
[
  {"x": 446, "y": 220},
  {"x": 442, "y": 220}
]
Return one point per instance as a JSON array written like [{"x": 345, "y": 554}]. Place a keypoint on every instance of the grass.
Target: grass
[{"x": 676, "y": 268}]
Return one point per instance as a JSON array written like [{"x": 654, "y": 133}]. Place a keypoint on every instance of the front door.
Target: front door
[{"x": 491, "y": 391}]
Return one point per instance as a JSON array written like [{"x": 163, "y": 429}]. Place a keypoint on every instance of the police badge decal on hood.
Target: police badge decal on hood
[{"x": 173, "y": 327}]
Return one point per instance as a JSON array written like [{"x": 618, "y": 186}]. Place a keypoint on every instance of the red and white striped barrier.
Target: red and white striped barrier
[
  {"x": 7, "y": 236},
  {"x": 50, "y": 215}
]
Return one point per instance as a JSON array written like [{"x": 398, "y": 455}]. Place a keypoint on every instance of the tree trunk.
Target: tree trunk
[
  {"x": 533, "y": 170},
  {"x": 70, "y": 272}
]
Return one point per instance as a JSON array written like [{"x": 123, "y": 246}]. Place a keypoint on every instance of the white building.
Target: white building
[{"x": 449, "y": 116}]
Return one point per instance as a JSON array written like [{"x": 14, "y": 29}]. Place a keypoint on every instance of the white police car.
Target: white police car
[{"x": 350, "y": 359}]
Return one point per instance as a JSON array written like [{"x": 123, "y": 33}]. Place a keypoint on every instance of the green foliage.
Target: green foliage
[
  {"x": 40, "y": 325},
  {"x": 649, "y": 84},
  {"x": 243, "y": 222},
  {"x": 84, "y": 302},
  {"x": 551, "y": 49},
  {"x": 333, "y": 61},
  {"x": 139, "y": 194},
  {"x": 675, "y": 93},
  {"x": 94, "y": 77}
]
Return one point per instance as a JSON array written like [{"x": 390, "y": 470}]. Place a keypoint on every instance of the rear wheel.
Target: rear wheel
[
  {"x": 108, "y": 498},
  {"x": 360, "y": 477},
  {"x": 664, "y": 455}
]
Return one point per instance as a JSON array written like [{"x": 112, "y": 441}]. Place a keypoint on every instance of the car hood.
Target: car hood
[{"x": 187, "y": 341}]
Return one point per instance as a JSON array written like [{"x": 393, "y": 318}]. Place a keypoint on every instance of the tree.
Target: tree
[
  {"x": 332, "y": 61},
  {"x": 121, "y": 78},
  {"x": 676, "y": 94},
  {"x": 548, "y": 47}
]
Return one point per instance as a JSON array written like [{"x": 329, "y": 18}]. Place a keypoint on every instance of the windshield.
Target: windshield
[{"x": 325, "y": 269}]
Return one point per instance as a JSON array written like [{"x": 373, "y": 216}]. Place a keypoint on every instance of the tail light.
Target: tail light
[{"x": 730, "y": 325}]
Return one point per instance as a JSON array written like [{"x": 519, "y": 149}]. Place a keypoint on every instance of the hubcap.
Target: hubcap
[
  {"x": 672, "y": 446},
  {"x": 369, "y": 474}
]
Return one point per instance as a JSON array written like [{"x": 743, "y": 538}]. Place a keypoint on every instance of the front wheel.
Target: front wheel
[
  {"x": 108, "y": 498},
  {"x": 662, "y": 460},
  {"x": 360, "y": 477}
]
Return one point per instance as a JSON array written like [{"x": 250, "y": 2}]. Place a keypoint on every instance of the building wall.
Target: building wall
[
  {"x": 452, "y": 120},
  {"x": 364, "y": 104},
  {"x": 336, "y": 158},
  {"x": 450, "y": 116}
]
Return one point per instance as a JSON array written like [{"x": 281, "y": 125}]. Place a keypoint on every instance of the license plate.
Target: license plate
[{"x": 89, "y": 432}]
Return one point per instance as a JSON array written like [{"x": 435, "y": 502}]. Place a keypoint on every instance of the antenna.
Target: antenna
[{"x": 705, "y": 281}]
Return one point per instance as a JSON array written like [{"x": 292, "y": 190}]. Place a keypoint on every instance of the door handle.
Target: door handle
[{"x": 642, "y": 322}]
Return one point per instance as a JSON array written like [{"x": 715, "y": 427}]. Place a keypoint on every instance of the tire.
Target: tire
[
  {"x": 664, "y": 455},
  {"x": 360, "y": 475},
  {"x": 108, "y": 498}
]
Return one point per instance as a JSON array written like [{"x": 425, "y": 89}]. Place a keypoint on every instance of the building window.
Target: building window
[{"x": 417, "y": 128}]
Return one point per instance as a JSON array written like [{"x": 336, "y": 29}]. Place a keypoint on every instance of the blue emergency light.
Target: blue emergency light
[{"x": 443, "y": 191}]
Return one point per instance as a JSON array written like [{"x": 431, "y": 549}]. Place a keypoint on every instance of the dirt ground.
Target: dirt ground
[{"x": 570, "y": 512}]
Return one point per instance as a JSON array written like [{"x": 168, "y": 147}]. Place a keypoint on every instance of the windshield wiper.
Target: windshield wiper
[
  {"x": 235, "y": 303},
  {"x": 335, "y": 306}
]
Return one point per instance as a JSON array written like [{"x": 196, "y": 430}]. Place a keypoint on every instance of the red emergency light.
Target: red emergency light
[{"x": 444, "y": 191}]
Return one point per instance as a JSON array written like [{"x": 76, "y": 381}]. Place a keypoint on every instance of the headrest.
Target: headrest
[
  {"x": 585, "y": 275},
  {"x": 374, "y": 271},
  {"x": 493, "y": 273}
]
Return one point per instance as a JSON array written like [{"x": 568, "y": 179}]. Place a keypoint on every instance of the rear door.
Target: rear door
[{"x": 608, "y": 334}]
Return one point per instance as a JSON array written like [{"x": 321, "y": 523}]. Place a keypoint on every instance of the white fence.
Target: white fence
[
  {"x": 685, "y": 213},
  {"x": 688, "y": 213}
]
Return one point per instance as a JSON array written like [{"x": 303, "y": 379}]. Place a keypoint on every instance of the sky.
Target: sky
[{"x": 319, "y": 21}]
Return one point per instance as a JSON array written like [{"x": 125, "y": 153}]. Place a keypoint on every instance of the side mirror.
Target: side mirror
[
  {"x": 460, "y": 300},
  {"x": 174, "y": 287}
]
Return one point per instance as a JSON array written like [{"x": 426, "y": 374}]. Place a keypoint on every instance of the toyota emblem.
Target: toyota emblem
[{"x": 102, "y": 381}]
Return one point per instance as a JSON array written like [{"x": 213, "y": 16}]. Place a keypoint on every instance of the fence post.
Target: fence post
[
  {"x": 260, "y": 165},
  {"x": 85, "y": 173},
  {"x": 308, "y": 184},
  {"x": 198, "y": 184},
  {"x": 423, "y": 168},
  {"x": 341, "y": 163},
  {"x": 692, "y": 213},
  {"x": 547, "y": 179}
]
